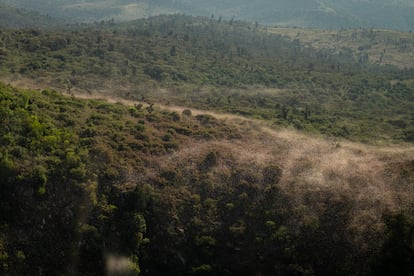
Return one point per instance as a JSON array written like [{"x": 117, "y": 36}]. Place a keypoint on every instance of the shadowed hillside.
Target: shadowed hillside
[{"x": 87, "y": 183}]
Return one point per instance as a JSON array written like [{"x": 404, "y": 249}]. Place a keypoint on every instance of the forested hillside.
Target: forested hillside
[
  {"x": 232, "y": 67},
  {"x": 19, "y": 18},
  {"x": 382, "y": 47},
  {"x": 179, "y": 145},
  {"x": 86, "y": 184}
]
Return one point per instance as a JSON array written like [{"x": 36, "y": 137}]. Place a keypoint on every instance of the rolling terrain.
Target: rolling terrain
[
  {"x": 325, "y": 14},
  {"x": 382, "y": 47},
  {"x": 181, "y": 191},
  {"x": 233, "y": 67},
  {"x": 179, "y": 145}
]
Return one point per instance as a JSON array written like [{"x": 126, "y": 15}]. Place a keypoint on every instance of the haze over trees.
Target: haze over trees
[{"x": 305, "y": 13}]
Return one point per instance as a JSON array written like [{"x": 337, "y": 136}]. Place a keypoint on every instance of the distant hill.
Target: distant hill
[
  {"x": 20, "y": 18},
  {"x": 382, "y": 47},
  {"x": 324, "y": 14}
]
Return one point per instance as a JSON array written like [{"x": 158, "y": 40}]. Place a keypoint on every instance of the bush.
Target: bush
[
  {"x": 209, "y": 162},
  {"x": 186, "y": 112},
  {"x": 409, "y": 135},
  {"x": 202, "y": 269},
  {"x": 6, "y": 166},
  {"x": 271, "y": 174}
]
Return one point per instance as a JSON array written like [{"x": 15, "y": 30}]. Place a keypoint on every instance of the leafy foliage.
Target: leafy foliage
[
  {"x": 85, "y": 181},
  {"x": 228, "y": 66}
]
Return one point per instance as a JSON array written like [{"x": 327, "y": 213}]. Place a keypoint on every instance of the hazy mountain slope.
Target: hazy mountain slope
[
  {"x": 380, "y": 14},
  {"x": 311, "y": 13},
  {"x": 378, "y": 46},
  {"x": 11, "y": 17},
  {"x": 94, "y": 10}
]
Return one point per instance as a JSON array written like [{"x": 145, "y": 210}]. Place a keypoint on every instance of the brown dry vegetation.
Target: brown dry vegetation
[
  {"x": 313, "y": 163},
  {"x": 210, "y": 184},
  {"x": 375, "y": 178},
  {"x": 316, "y": 162},
  {"x": 310, "y": 164},
  {"x": 317, "y": 174}
]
